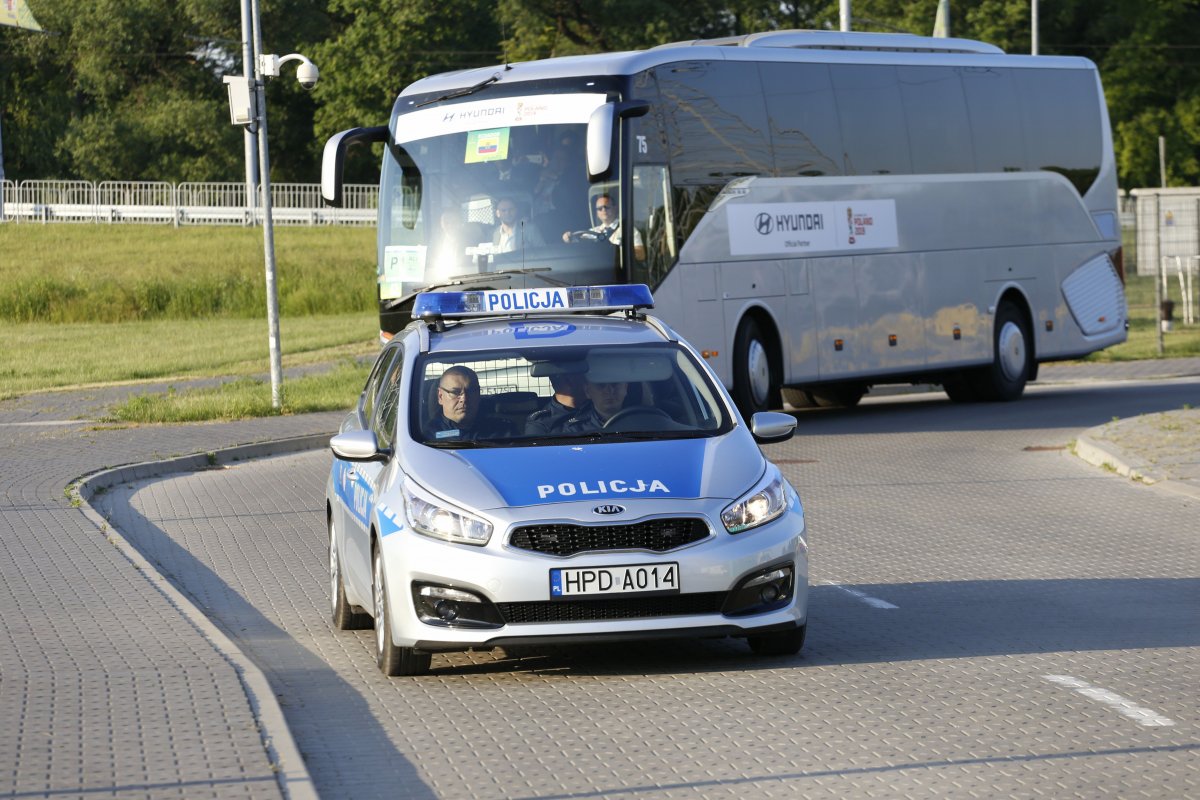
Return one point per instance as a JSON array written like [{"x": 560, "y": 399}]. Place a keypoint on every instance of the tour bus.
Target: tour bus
[{"x": 817, "y": 212}]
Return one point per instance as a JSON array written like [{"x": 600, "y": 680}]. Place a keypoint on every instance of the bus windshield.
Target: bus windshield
[{"x": 493, "y": 186}]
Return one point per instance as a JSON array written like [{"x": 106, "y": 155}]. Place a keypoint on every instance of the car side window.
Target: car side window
[
  {"x": 371, "y": 390},
  {"x": 387, "y": 403}
]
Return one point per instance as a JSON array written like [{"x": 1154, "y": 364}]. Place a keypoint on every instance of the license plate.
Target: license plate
[{"x": 632, "y": 579}]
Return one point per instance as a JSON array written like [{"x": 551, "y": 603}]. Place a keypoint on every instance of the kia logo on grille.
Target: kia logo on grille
[{"x": 608, "y": 509}]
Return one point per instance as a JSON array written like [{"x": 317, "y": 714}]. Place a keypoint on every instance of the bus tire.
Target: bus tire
[
  {"x": 1012, "y": 357},
  {"x": 755, "y": 384}
]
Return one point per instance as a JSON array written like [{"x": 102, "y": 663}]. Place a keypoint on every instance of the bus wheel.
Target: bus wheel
[
  {"x": 755, "y": 387},
  {"x": 961, "y": 389},
  {"x": 1012, "y": 361}
]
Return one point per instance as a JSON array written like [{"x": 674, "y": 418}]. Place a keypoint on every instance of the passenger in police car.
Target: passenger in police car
[
  {"x": 458, "y": 416},
  {"x": 569, "y": 397}
]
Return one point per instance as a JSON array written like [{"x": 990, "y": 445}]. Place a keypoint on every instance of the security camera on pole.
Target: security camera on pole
[{"x": 248, "y": 106}]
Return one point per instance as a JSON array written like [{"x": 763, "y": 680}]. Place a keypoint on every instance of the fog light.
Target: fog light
[
  {"x": 760, "y": 592},
  {"x": 447, "y": 610},
  {"x": 449, "y": 607}
]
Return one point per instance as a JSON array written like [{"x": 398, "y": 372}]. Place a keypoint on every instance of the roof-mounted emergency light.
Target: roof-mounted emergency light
[{"x": 541, "y": 300}]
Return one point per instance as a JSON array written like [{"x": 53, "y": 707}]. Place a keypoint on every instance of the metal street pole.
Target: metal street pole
[
  {"x": 248, "y": 142},
  {"x": 1033, "y": 26},
  {"x": 844, "y": 15},
  {"x": 1159, "y": 275},
  {"x": 264, "y": 164}
]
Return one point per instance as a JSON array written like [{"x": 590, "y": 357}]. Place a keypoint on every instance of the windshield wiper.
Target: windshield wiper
[{"x": 462, "y": 92}]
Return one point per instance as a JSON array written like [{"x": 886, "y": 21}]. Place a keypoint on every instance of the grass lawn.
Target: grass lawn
[{"x": 1142, "y": 343}]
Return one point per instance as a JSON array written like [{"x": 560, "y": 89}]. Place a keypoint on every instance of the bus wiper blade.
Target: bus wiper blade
[{"x": 462, "y": 92}]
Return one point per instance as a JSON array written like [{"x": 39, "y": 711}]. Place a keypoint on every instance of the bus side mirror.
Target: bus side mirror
[
  {"x": 600, "y": 139},
  {"x": 334, "y": 159}
]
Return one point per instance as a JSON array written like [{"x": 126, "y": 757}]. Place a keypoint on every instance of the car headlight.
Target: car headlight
[
  {"x": 432, "y": 516},
  {"x": 760, "y": 505}
]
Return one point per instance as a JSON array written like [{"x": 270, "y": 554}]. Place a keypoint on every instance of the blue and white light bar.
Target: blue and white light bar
[{"x": 540, "y": 300}]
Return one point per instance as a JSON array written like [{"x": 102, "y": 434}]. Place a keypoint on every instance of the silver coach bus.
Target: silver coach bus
[{"x": 816, "y": 212}]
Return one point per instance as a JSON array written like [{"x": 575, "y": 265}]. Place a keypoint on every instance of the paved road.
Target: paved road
[{"x": 990, "y": 616}]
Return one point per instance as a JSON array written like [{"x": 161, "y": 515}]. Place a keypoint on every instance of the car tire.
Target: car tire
[
  {"x": 392, "y": 660},
  {"x": 345, "y": 617},
  {"x": 755, "y": 384},
  {"x": 784, "y": 643},
  {"x": 1012, "y": 357}
]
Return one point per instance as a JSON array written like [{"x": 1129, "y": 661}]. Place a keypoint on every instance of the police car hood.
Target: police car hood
[{"x": 673, "y": 469}]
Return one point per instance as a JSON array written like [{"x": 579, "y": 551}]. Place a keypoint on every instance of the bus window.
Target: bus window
[
  {"x": 652, "y": 219},
  {"x": 803, "y": 119},
  {"x": 1061, "y": 119},
  {"x": 996, "y": 133},
  {"x": 871, "y": 111},
  {"x": 936, "y": 113}
]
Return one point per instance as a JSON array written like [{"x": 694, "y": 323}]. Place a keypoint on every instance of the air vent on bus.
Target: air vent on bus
[
  {"x": 1095, "y": 296},
  {"x": 835, "y": 40}
]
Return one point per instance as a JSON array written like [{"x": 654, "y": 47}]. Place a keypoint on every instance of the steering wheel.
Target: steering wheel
[
  {"x": 651, "y": 413},
  {"x": 587, "y": 236}
]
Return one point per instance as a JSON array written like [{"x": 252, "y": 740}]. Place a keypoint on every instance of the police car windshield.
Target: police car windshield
[{"x": 603, "y": 393}]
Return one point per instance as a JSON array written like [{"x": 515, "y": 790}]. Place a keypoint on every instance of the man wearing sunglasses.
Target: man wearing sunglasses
[
  {"x": 458, "y": 417},
  {"x": 607, "y": 228}
]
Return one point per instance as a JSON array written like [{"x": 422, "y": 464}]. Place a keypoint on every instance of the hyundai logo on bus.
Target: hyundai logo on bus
[{"x": 764, "y": 223}]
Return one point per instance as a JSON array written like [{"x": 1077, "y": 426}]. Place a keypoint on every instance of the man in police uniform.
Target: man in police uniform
[
  {"x": 569, "y": 397},
  {"x": 457, "y": 417},
  {"x": 604, "y": 400}
]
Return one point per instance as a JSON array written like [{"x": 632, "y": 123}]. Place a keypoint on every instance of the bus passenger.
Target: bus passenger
[{"x": 514, "y": 233}]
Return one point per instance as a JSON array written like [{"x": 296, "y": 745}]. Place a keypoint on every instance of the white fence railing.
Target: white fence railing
[{"x": 45, "y": 201}]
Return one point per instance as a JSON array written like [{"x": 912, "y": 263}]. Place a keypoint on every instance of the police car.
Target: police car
[{"x": 551, "y": 465}]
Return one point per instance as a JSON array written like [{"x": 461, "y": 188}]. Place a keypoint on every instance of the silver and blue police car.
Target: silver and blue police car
[{"x": 551, "y": 465}]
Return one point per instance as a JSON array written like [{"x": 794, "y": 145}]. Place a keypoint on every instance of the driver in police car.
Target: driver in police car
[
  {"x": 457, "y": 416},
  {"x": 604, "y": 401}
]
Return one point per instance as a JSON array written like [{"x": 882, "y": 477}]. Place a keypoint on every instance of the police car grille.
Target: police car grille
[
  {"x": 673, "y": 605},
  {"x": 657, "y": 535}
]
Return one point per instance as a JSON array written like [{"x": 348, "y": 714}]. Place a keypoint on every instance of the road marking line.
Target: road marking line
[
  {"x": 1127, "y": 708},
  {"x": 873, "y": 602}
]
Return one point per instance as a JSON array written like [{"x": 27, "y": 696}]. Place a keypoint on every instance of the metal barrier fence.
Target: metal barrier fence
[{"x": 188, "y": 203}]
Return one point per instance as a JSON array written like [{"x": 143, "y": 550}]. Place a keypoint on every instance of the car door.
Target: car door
[{"x": 367, "y": 475}]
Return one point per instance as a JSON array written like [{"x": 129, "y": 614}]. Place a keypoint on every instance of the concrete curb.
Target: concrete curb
[
  {"x": 284, "y": 755},
  {"x": 1109, "y": 456}
]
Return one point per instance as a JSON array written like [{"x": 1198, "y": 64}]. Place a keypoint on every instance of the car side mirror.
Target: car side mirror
[
  {"x": 772, "y": 427},
  {"x": 358, "y": 446}
]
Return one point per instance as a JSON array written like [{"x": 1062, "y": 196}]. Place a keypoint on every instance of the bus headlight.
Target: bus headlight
[
  {"x": 434, "y": 517},
  {"x": 760, "y": 505}
]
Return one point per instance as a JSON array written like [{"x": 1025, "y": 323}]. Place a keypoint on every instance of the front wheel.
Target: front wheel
[
  {"x": 784, "y": 643},
  {"x": 755, "y": 384},
  {"x": 1012, "y": 357},
  {"x": 345, "y": 616},
  {"x": 392, "y": 660}
]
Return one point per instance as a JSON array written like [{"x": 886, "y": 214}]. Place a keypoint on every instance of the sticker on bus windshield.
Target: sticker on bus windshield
[
  {"x": 801, "y": 228},
  {"x": 401, "y": 264},
  {"x": 490, "y": 145}
]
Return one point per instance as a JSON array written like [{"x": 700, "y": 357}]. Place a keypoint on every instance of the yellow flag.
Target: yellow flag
[{"x": 18, "y": 15}]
